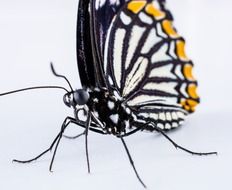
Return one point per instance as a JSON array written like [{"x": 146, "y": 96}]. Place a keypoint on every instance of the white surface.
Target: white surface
[{"x": 33, "y": 33}]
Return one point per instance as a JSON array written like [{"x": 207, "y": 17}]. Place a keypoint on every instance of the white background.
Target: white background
[{"x": 33, "y": 33}]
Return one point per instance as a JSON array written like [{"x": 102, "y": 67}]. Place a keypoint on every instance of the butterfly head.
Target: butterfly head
[{"x": 77, "y": 97}]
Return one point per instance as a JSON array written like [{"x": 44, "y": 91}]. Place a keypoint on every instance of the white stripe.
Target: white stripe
[
  {"x": 168, "y": 87},
  {"x": 144, "y": 18},
  {"x": 125, "y": 19},
  {"x": 151, "y": 41},
  {"x": 145, "y": 115},
  {"x": 172, "y": 49},
  {"x": 117, "y": 58},
  {"x": 110, "y": 81},
  {"x": 107, "y": 45},
  {"x": 160, "y": 31},
  {"x": 168, "y": 126},
  {"x": 162, "y": 116},
  {"x": 160, "y": 125},
  {"x": 168, "y": 116},
  {"x": 164, "y": 71},
  {"x": 154, "y": 116},
  {"x": 181, "y": 115},
  {"x": 174, "y": 125},
  {"x": 99, "y": 3},
  {"x": 136, "y": 75},
  {"x": 183, "y": 89},
  {"x": 178, "y": 72},
  {"x": 116, "y": 94},
  {"x": 143, "y": 99},
  {"x": 161, "y": 54},
  {"x": 136, "y": 34},
  {"x": 174, "y": 116}
]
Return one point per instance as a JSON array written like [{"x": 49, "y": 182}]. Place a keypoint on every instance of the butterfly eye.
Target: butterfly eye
[{"x": 81, "y": 96}]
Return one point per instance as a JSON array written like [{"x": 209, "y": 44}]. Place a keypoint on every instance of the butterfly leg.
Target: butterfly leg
[
  {"x": 139, "y": 128},
  {"x": 77, "y": 121},
  {"x": 180, "y": 147},
  {"x": 86, "y": 132},
  {"x": 83, "y": 133},
  {"x": 132, "y": 162},
  {"x": 66, "y": 122},
  {"x": 64, "y": 125},
  {"x": 94, "y": 125},
  {"x": 40, "y": 155},
  {"x": 86, "y": 140},
  {"x": 74, "y": 137}
]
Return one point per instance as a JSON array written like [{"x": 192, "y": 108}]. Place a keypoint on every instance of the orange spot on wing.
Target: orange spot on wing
[
  {"x": 136, "y": 6},
  {"x": 180, "y": 50},
  {"x": 183, "y": 103},
  {"x": 154, "y": 11},
  {"x": 189, "y": 105},
  {"x": 192, "y": 91},
  {"x": 188, "y": 72},
  {"x": 192, "y": 103},
  {"x": 169, "y": 30},
  {"x": 186, "y": 107}
]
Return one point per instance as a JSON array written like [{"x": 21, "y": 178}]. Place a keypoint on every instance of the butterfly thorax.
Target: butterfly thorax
[{"x": 110, "y": 110}]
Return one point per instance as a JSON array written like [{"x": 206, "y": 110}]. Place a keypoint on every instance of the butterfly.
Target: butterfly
[
  {"x": 134, "y": 71},
  {"x": 138, "y": 55}
]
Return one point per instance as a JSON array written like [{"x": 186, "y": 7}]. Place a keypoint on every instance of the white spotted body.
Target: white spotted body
[{"x": 111, "y": 111}]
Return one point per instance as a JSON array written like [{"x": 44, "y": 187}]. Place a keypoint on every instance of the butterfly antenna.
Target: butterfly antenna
[
  {"x": 61, "y": 76},
  {"x": 33, "y": 88}
]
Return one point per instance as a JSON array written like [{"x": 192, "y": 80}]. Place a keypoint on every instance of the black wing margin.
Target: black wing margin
[{"x": 84, "y": 47}]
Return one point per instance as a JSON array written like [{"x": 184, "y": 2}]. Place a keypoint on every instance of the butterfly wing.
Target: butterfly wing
[
  {"x": 94, "y": 18},
  {"x": 103, "y": 13},
  {"x": 145, "y": 60},
  {"x": 84, "y": 47}
]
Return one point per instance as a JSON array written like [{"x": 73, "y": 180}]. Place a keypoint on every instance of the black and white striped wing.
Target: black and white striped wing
[
  {"x": 94, "y": 19},
  {"x": 145, "y": 60},
  {"x": 103, "y": 13}
]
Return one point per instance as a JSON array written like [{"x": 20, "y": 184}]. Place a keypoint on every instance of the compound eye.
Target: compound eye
[{"x": 81, "y": 96}]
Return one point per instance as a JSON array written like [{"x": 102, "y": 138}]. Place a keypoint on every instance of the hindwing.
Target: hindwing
[{"x": 145, "y": 60}]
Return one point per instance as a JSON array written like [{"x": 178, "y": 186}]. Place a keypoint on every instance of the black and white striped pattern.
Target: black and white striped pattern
[{"x": 140, "y": 60}]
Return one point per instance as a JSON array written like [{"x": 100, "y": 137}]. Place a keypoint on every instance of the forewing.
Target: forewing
[
  {"x": 103, "y": 13},
  {"x": 94, "y": 18},
  {"x": 84, "y": 48},
  {"x": 145, "y": 60}
]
